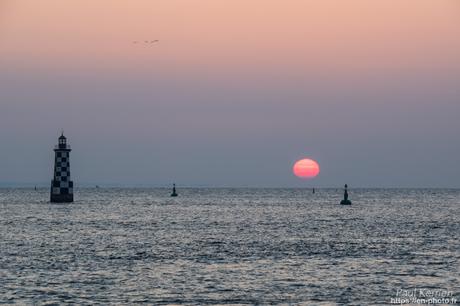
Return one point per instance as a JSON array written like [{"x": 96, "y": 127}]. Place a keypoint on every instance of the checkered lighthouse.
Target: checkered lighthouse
[{"x": 61, "y": 185}]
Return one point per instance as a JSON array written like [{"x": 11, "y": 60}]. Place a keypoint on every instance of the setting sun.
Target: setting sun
[{"x": 306, "y": 168}]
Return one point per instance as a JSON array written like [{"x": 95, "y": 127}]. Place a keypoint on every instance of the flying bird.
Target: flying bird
[{"x": 146, "y": 41}]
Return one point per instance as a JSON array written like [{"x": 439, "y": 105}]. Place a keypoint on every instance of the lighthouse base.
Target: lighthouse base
[{"x": 61, "y": 198}]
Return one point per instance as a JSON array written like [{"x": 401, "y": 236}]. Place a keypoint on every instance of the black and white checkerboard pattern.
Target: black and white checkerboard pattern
[{"x": 61, "y": 183}]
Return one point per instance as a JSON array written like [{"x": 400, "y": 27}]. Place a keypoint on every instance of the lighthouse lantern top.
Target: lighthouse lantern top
[{"x": 62, "y": 143}]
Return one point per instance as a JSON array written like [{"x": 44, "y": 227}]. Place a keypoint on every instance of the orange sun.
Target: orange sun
[{"x": 306, "y": 168}]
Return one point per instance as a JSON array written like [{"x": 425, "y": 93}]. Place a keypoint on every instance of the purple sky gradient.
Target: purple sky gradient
[{"x": 150, "y": 119}]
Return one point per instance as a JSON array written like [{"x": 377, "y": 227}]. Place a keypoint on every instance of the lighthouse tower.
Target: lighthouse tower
[{"x": 61, "y": 185}]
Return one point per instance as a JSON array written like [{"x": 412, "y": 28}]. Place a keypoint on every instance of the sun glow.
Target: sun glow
[{"x": 306, "y": 168}]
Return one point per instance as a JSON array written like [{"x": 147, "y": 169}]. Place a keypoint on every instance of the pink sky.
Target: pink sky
[
  {"x": 234, "y": 92},
  {"x": 296, "y": 36}
]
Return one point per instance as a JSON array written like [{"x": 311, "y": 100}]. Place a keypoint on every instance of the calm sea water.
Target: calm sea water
[{"x": 227, "y": 246}]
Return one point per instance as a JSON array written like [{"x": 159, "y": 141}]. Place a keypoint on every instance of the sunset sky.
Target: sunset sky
[{"x": 233, "y": 93}]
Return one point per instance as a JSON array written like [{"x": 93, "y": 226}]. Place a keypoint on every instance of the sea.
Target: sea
[{"x": 230, "y": 246}]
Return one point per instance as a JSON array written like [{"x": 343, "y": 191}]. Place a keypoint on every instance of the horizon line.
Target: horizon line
[{"x": 6, "y": 185}]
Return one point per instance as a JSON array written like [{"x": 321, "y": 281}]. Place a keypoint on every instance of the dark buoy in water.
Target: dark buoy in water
[
  {"x": 345, "y": 200},
  {"x": 313, "y": 190},
  {"x": 174, "y": 193}
]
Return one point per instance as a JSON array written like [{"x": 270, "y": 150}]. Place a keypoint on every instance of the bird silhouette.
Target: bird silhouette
[{"x": 149, "y": 42}]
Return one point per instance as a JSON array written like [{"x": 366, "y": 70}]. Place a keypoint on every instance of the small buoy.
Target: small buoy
[
  {"x": 345, "y": 200},
  {"x": 174, "y": 193}
]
